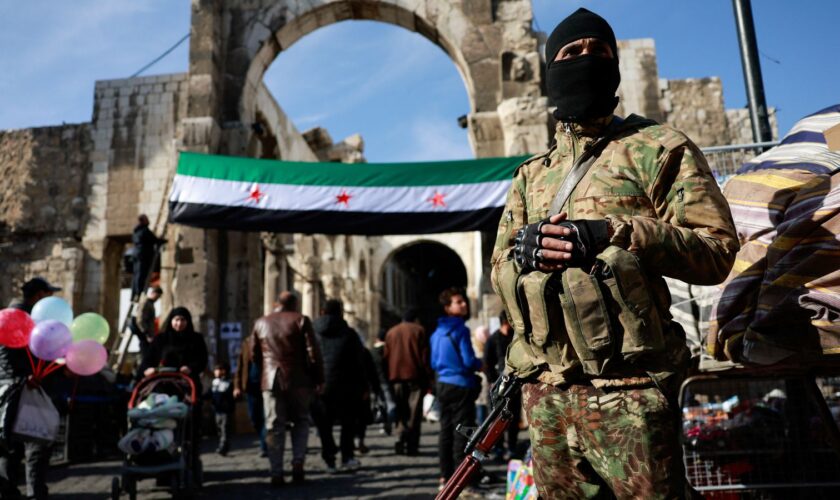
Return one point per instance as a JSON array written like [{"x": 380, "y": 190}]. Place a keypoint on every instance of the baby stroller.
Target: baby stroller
[{"x": 161, "y": 439}]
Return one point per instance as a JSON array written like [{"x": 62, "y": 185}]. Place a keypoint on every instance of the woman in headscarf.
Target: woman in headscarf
[{"x": 179, "y": 347}]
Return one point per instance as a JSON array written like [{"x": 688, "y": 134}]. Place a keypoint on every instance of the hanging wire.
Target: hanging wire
[
  {"x": 158, "y": 58},
  {"x": 771, "y": 59}
]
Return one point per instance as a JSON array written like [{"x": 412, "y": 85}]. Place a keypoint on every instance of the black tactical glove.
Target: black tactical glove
[
  {"x": 527, "y": 244},
  {"x": 589, "y": 237}
]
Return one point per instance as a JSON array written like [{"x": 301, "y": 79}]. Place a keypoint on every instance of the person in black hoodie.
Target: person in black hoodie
[
  {"x": 145, "y": 246},
  {"x": 179, "y": 346},
  {"x": 344, "y": 385},
  {"x": 364, "y": 413}
]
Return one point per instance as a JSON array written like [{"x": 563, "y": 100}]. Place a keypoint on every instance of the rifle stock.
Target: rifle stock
[{"x": 484, "y": 438}]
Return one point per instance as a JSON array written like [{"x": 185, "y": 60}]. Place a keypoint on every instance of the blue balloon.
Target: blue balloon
[{"x": 53, "y": 308}]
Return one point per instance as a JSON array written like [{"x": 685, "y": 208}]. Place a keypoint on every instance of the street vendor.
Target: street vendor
[
  {"x": 581, "y": 278},
  {"x": 14, "y": 365}
]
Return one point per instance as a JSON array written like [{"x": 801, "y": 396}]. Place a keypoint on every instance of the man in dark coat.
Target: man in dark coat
[
  {"x": 145, "y": 244},
  {"x": 407, "y": 357},
  {"x": 344, "y": 384}
]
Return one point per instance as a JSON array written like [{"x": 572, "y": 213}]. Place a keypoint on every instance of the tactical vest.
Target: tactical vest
[
  {"x": 607, "y": 317},
  {"x": 586, "y": 325}
]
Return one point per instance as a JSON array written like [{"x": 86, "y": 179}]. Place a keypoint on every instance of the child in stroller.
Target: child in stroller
[{"x": 160, "y": 442}]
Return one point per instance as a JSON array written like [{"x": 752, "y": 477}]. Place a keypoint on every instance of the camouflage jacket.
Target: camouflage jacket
[{"x": 666, "y": 212}]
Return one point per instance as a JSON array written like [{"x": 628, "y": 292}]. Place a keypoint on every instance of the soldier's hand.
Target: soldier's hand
[
  {"x": 588, "y": 238},
  {"x": 539, "y": 245},
  {"x": 555, "y": 251}
]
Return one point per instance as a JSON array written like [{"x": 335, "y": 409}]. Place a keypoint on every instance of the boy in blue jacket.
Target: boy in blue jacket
[{"x": 455, "y": 363}]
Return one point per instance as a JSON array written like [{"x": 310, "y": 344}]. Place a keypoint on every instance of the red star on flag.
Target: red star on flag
[
  {"x": 256, "y": 194},
  {"x": 437, "y": 200},
  {"x": 343, "y": 198}
]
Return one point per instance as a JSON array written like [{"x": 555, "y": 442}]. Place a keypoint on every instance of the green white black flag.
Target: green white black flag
[{"x": 247, "y": 194}]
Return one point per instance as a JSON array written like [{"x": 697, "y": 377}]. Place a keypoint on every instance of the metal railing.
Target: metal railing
[{"x": 726, "y": 160}]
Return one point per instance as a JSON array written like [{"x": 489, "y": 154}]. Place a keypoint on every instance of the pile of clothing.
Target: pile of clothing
[{"x": 154, "y": 421}]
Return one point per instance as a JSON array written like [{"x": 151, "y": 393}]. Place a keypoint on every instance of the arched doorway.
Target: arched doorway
[
  {"x": 233, "y": 42},
  {"x": 413, "y": 277},
  {"x": 490, "y": 43}
]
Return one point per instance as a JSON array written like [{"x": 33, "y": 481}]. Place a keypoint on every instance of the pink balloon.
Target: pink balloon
[
  {"x": 50, "y": 340},
  {"x": 86, "y": 357},
  {"x": 15, "y": 328}
]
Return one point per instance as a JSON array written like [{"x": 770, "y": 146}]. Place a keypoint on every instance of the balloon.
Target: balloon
[
  {"x": 86, "y": 357},
  {"x": 15, "y": 328},
  {"x": 52, "y": 308},
  {"x": 90, "y": 326},
  {"x": 50, "y": 339}
]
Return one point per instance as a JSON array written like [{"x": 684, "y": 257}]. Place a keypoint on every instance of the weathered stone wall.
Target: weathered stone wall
[
  {"x": 135, "y": 123},
  {"x": 639, "y": 89},
  {"x": 740, "y": 127},
  {"x": 695, "y": 106},
  {"x": 43, "y": 207},
  {"x": 291, "y": 144}
]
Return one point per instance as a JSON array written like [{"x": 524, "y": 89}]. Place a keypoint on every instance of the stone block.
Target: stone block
[
  {"x": 485, "y": 134},
  {"x": 200, "y": 134},
  {"x": 525, "y": 124}
]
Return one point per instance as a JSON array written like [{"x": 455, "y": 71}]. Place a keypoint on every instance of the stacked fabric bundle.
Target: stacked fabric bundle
[
  {"x": 154, "y": 420},
  {"x": 782, "y": 297}
]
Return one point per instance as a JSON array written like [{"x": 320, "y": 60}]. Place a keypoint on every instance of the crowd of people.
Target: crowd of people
[
  {"x": 322, "y": 369},
  {"x": 292, "y": 371}
]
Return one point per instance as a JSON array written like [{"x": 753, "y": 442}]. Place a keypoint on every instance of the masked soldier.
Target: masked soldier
[{"x": 588, "y": 232}]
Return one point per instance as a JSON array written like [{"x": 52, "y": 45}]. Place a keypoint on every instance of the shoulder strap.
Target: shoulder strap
[{"x": 581, "y": 166}]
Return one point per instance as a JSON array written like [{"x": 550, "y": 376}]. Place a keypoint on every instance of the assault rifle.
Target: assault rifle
[{"x": 484, "y": 438}]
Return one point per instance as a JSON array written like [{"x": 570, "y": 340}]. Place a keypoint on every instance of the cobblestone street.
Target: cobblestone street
[{"x": 244, "y": 475}]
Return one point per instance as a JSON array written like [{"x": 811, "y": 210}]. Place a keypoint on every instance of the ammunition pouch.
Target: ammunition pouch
[{"x": 608, "y": 317}]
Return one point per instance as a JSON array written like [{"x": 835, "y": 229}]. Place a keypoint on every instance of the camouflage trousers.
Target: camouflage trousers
[{"x": 594, "y": 443}]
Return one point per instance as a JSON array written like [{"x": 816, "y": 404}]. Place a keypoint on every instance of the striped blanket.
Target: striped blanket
[{"x": 783, "y": 294}]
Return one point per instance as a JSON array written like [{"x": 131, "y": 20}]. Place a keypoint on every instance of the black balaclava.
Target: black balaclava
[{"x": 582, "y": 88}]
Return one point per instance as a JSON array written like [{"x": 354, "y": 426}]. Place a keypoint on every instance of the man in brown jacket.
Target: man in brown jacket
[
  {"x": 284, "y": 346},
  {"x": 406, "y": 355}
]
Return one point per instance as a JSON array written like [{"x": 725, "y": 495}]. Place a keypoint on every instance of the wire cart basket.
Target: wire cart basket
[{"x": 762, "y": 434}]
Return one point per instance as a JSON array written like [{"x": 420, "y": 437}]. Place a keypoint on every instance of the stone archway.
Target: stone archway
[
  {"x": 233, "y": 42},
  {"x": 413, "y": 276},
  {"x": 490, "y": 42}
]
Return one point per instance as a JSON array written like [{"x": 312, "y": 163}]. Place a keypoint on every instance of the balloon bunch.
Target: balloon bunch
[{"x": 53, "y": 335}]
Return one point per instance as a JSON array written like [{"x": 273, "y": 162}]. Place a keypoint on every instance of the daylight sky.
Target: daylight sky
[{"x": 400, "y": 91}]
